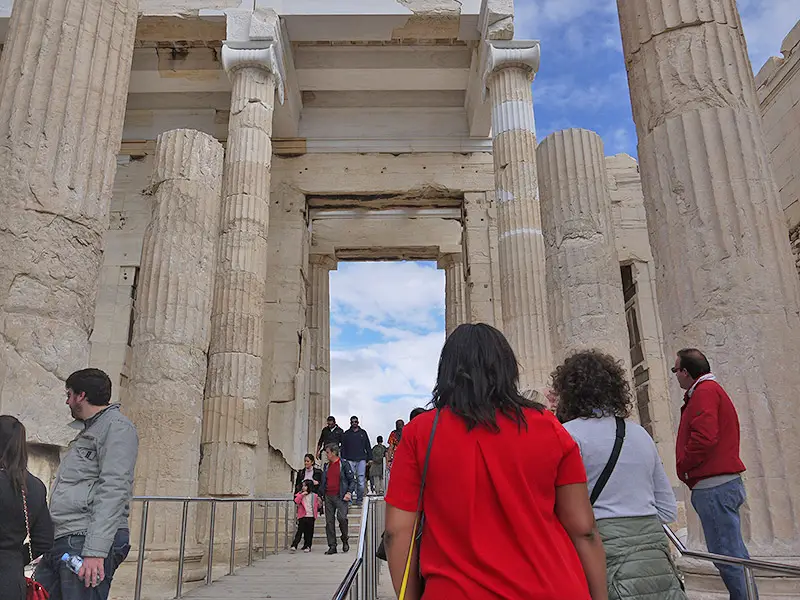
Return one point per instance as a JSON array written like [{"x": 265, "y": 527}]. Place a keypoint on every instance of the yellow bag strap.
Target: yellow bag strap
[{"x": 418, "y": 519}]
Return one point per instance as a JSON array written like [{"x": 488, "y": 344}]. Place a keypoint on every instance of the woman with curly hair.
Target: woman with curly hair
[{"x": 594, "y": 401}]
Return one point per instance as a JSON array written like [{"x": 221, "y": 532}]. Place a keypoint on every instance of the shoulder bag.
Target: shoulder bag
[
  {"x": 612, "y": 462},
  {"x": 416, "y": 533},
  {"x": 33, "y": 589}
]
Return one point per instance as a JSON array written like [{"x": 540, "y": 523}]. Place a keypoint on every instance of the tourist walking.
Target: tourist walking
[
  {"x": 309, "y": 472},
  {"x": 338, "y": 485},
  {"x": 307, "y": 512},
  {"x": 513, "y": 519},
  {"x": 91, "y": 496},
  {"x": 394, "y": 439},
  {"x": 23, "y": 511},
  {"x": 629, "y": 489},
  {"x": 330, "y": 434},
  {"x": 708, "y": 462},
  {"x": 357, "y": 450},
  {"x": 376, "y": 466}
]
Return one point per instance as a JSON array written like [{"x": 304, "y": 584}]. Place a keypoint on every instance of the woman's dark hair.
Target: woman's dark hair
[
  {"x": 309, "y": 485},
  {"x": 478, "y": 377},
  {"x": 417, "y": 412},
  {"x": 310, "y": 457},
  {"x": 13, "y": 451},
  {"x": 590, "y": 384}
]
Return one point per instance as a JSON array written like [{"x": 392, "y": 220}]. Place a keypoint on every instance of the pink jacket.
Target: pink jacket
[{"x": 301, "y": 509}]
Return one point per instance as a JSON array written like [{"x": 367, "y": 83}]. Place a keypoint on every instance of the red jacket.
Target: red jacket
[{"x": 708, "y": 436}]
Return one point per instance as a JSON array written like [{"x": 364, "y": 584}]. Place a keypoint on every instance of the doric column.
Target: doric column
[
  {"x": 319, "y": 330},
  {"x": 63, "y": 84},
  {"x": 726, "y": 279},
  {"x": 172, "y": 321},
  {"x": 230, "y": 431},
  {"x": 587, "y": 309},
  {"x": 455, "y": 303},
  {"x": 510, "y": 69}
]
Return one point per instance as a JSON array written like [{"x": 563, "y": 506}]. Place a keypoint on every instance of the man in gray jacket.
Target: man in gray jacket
[{"x": 90, "y": 498}]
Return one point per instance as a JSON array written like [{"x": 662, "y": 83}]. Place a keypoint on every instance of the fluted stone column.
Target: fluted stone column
[
  {"x": 63, "y": 84},
  {"x": 726, "y": 279},
  {"x": 319, "y": 329},
  {"x": 510, "y": 70},
  {"x": 172, "y": 322},
  {"x": 230, "y": 431},
  {"x": 455, "y": 302},
  {"x": 587, "y": 309}
]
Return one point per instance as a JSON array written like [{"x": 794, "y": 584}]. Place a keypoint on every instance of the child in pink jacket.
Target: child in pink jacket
[{"x": 307, "y": 511}]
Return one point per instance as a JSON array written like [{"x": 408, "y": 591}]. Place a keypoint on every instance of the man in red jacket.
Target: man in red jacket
[{"x": 708, "y": 462}]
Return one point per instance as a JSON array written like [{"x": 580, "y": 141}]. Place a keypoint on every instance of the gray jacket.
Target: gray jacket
[{"x": 94, "y": 484}]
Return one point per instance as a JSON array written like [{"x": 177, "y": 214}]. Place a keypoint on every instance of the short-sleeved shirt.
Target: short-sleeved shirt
[{"x": 490, "y": 525}]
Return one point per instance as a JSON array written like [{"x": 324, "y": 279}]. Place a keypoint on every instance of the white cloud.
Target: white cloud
[
  {"x": 388, "y": 319},
  {"x": 766, "y": 23}
]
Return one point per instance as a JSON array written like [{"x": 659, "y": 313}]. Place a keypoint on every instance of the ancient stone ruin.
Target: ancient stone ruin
[{"x": 179, "y": 177}]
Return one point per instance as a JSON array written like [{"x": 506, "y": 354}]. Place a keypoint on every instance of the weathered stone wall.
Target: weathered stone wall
[{"x": 778, "y": 89}]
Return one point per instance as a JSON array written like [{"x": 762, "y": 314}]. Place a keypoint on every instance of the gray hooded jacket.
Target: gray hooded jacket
[{"x": 92, "y": 492}]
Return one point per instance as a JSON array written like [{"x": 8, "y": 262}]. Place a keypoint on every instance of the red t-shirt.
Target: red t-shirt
[
  {"x": 333, "y": 476},
  {"x": 490, "y": 526}
]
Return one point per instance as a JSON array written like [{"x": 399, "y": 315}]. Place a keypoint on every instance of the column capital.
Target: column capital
[
  {"x": 254, "y": 40},
  {"x": 324, "y": 261},
  {"x": 523, "y": 54},
  {"x": 446, "y": 261}
]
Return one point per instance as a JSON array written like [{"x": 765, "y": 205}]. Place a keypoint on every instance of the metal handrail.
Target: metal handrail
[
  {"x": 748, "y": 564},
  {"x": 284, "y": 502},
  {"x": 366, "y": 563}
]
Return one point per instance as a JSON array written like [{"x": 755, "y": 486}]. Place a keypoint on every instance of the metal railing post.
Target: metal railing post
[
  {"x": 277, "y": 525},
  {"x": 286, "y": 526},
  {"x": 232, "y": 566},
  {"x": 251, "y": 534},
  {"x": 209, "y": 575},
  {"x": 182, "y": 550},
  {"x": 264, "y": 533},
  {"x": 137, "y": 594},
  {"x": 750, "y": 584}
]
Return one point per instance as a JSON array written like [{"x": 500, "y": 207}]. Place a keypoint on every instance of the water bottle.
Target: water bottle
[{"x": 73, "y": 562}]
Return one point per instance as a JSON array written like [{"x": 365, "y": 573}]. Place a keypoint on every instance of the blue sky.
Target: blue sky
[{"x": 387, "y": 319}]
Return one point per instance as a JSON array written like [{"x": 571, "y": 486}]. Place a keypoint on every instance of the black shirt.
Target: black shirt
[
  {"x": 330, "y": 436},
  {"x": 12, "y": 520}
]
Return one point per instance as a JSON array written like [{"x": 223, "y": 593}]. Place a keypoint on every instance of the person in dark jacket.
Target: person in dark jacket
[
  {"x": 330, "y": 434},
  {"x": 16, "y": 484},
  {"x": 708, "y": 462},
  {"x": 310, "y": 473},
  {"x": 338, "y": 486},
  {"x": 357, "y": 450}
]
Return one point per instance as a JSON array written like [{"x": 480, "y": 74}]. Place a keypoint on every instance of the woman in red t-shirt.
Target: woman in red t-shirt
[{"x": 506, "y": 506}]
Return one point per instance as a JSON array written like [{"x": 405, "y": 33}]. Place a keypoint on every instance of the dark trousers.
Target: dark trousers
[
  {"x": 305, "y": 529},
  {"x": 335, "y": 510},
  {"x": 63, "y": 584}
]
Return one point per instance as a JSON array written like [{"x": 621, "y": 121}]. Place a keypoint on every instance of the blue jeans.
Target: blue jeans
[
  {"x": 63, "y": 584},
  {"x": 360, "y": 471},
  {"x": 718, "y": 509}
]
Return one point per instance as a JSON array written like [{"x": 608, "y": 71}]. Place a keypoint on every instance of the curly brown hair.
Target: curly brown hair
[{"x": 590, "y": 382}]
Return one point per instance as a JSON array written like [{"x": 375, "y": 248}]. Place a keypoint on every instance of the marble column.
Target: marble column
[
  {"x": 172, "y": 321},
  {"x": 64, "y": 78},
  {"x": 233, "y": 386},
  {"x": 319, "y": 329},
  {"x": 725, "y": 274},
  {"x": 483, "y": 298},
  {"x": 587, "y": 309},
  {"x": 455, "y": 303},
  {"x": 510, "y": 69}
]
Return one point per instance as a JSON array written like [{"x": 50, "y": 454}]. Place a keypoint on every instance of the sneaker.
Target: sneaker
[
  {"x": 345, "y": 547},
  {"x": 292, "y": 549},
  {"x": 306, "y": 550},
  {"x": 330, "y": 551}
]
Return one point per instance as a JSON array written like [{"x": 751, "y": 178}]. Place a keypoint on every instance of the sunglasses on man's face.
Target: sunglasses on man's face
[{"x": 676, "y": 369}]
